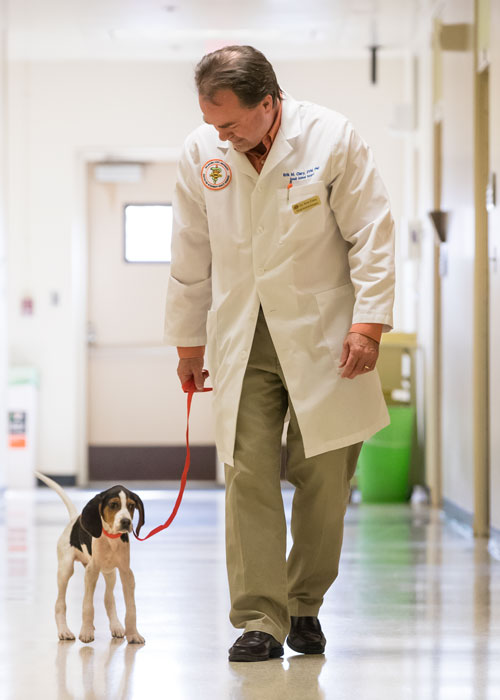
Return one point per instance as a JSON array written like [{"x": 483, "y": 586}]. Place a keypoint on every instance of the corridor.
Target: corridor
[{"x": 415, "y": 613}]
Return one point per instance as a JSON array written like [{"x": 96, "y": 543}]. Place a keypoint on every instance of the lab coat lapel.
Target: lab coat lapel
[
  {"x": 239, "y": 161},
  {"x": 283, "y": 143},
  {"x": 282, "y": 146}
]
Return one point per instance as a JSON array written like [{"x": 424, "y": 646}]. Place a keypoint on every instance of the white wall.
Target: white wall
[
  {"x": 425, "y": 287},
  {"x": 3, "y": 256},
  {"x": 457, "y": 310},
  {"x": 58, "y": 110}
]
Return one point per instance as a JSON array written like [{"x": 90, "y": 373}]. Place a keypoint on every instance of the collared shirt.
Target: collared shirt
[{"x": 258, "y": 154}]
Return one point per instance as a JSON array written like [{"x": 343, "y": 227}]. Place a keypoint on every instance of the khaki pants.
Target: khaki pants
[{"x": 265, "y": 587}]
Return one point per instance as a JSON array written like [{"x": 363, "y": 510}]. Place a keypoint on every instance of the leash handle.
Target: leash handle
[{"x": 189, "y": 388}]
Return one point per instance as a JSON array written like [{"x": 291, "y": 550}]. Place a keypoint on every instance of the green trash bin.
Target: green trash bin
[{"x": 384, "y": 462}]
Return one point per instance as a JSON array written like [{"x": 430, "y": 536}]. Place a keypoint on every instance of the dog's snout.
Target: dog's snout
[{"x": 125, "y": 523}]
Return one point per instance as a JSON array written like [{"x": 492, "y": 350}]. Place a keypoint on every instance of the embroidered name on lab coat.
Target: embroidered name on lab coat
[
  {"x": 306, "y": 204},
  {"x": 294, "y": 175}
]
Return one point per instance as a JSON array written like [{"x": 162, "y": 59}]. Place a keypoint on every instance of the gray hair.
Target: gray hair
[{"x": 241, "y": 69}]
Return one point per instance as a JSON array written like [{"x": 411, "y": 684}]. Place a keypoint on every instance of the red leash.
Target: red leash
[{"x": 190, "y": 389}]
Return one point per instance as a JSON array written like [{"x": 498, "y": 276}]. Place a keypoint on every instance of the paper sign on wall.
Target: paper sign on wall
[{"x": 17, "y": 429}]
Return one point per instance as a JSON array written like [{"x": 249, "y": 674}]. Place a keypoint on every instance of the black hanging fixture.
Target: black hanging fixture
[
  {"x": 374, "y": 43},
  {"x": 373, "y": 51}
]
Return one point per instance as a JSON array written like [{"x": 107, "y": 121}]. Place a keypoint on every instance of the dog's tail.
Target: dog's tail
[{"x": 60, "y": 492}]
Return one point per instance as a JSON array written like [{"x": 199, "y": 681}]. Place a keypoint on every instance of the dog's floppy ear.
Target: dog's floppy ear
[
  {"x": 91, "y": 517},
  {"x": 140, "y": 507}
]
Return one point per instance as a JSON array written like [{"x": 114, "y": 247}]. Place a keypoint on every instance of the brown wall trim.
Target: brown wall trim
[
  {"x": 150, "y": 463},
  {"x": 61, "y": 479}
]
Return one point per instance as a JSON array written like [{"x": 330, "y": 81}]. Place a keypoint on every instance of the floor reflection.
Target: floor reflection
[
  {"x": 83, "y": 672},
  {"x": 295, "y": 678},
  {"x": 482, "y": 618},
  {"x": 21, "y": 559}
]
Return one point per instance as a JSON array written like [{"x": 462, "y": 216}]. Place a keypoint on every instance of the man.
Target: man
[{"x": 282, "y": 262}]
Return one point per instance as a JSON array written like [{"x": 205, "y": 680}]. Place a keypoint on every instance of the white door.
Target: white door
[
  {"x": 494, "y": 269},
  {"x": 136, "y": 408}
]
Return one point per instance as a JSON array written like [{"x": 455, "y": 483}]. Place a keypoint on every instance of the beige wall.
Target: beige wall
[
  {"x": 463, "y": 398},
  {"x": 59, "y": 110},
  {"x": 459, "y": 438},
  {"x": 494, "y": 235}
]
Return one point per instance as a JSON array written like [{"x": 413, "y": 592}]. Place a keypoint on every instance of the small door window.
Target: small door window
[{"x": 148, "y": 233}]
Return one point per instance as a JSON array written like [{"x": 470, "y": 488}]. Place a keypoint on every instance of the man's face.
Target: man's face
[{"x": 243, "y": 127}]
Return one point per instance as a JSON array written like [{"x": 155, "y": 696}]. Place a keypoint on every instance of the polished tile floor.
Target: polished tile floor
[{"x": 415, "y": 613}]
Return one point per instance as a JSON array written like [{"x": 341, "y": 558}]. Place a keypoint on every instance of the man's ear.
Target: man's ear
[
  {"x": 91, "y": 517},
  {"x": 267, "y": 103}
]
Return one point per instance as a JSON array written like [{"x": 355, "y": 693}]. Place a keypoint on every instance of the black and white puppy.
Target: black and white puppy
[{"x": 84, "y": 539}]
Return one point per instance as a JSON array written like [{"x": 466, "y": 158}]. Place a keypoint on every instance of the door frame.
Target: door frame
[
  {"x": 80, "y": 268},
  {"x": 434, "y": 419},
  {"x": 481, "y": 328}
]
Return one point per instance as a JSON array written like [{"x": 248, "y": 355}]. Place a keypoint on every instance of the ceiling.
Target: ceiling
[{"x": 186, "y": 29}]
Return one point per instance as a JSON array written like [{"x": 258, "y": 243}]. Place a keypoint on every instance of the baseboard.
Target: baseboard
[
  {"x": 494, "y": 543},
  {"x": 145, "y": 463},
  {"x": 451, "y": 510},
  {"x": 61, "y": 479}
]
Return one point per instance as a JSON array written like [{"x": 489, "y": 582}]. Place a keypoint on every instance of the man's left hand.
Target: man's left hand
[{"x": 359, "y": 355}]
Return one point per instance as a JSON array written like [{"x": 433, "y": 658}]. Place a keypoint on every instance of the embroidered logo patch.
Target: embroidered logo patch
[{"x": 216, "y": 174}]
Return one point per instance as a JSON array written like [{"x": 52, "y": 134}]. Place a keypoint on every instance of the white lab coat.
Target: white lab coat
[{"x": 314, "y": 272}]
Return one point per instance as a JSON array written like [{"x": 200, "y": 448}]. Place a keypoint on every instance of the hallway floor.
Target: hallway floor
[{"x": 414, "y": 614}]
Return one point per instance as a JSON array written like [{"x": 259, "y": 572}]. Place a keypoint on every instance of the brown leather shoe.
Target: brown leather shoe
[
  {"x": 255, "y": 646},
  {"x": 305, "y": 635}
]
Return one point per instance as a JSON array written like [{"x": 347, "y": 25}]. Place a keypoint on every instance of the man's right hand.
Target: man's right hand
[{"x": 192, "y": 368}]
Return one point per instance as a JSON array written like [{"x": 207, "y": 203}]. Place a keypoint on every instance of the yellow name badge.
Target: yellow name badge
[{"x": 306, "y": 204}]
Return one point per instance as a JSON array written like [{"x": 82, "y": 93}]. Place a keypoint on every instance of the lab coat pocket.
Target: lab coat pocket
[
  {"x": 302, "y": 210},
  {"x": 212, "y": 353},
  {"x": 335, "y": 310}
]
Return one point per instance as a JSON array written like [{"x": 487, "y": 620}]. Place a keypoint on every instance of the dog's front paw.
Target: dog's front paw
[
  {"x": 65, "y": 634},
  {"x": 86, "y": 635},
  {"x": 135, "y": 638},
  {"x": 117, "y": 631}
]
